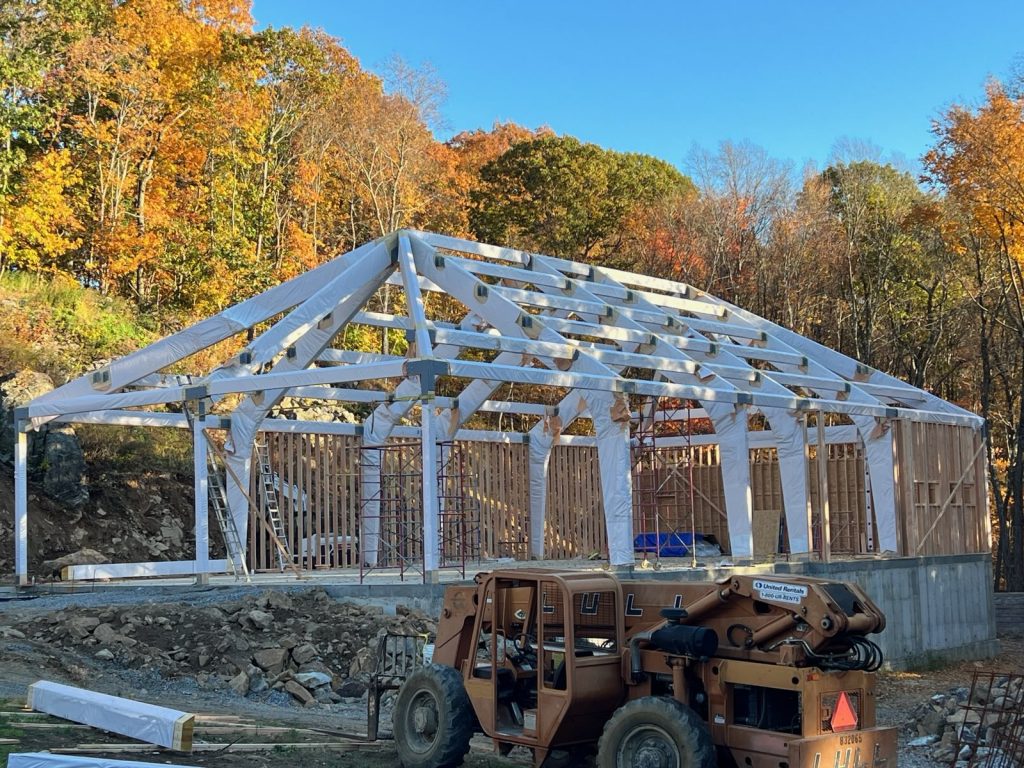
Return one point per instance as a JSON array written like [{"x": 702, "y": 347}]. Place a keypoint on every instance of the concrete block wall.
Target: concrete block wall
[{"x": 1009, "y": 613}]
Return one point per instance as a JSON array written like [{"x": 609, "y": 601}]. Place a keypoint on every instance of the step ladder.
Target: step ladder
[
  {"x": 271, "y": 507},
  {"x": 218, "y": 500}
]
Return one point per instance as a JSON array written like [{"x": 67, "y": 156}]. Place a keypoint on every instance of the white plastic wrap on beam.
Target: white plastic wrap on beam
[
  {"x": 571, "y": 379},
  {"x": 682, "y": 324},
  {"x": 135, "y": 719},
  {"x": 351, "y": 357},
  {"x": 41, "y": 412},
  {"x": 495, "y": 341},
  {"x": 904, "y": 394},
  {"x": 48, "y": 760},
  {"x": 341, "y": 394},
  {"x": 206, "y": 333},
  {"x": 126, "y": 419},
  {"x": 764, "y": 438},
  {"x": 623, "y": 296},
  {"x": 478, "y": 249},
  {"x": 512, "y": 273},
  {"x": 526, "y": 409},
  {"x": 789, "y": 437},
  {"x": 161, "y": 568},
  {"x": 546, "y": 301}
]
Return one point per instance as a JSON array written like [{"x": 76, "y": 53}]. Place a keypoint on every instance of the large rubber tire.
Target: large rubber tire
[
  {"x": 433, "y": 719},
  {"x": 655, "y": 732}
]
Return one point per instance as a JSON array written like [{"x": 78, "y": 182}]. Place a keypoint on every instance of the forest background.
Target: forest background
[{"x": 163, "y": 159}]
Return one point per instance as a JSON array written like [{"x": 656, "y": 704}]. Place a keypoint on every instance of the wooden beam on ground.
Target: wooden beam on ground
[
  {"x": 331, "y": 746},
  {"x": 51, "y": 760},
  {"x": 139, "y": 570},
  {"x": 135, "y": 719}
]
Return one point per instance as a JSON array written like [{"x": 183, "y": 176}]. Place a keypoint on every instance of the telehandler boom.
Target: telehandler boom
[{"x": 751, "y": 671}]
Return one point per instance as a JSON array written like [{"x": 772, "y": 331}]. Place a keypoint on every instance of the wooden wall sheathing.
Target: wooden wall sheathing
[
  {"x": 940, "y": 490},
  {"x": 931, "y": 458}
]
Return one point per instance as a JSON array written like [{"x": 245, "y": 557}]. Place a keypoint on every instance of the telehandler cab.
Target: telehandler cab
[{"x": 752, "y": 672}]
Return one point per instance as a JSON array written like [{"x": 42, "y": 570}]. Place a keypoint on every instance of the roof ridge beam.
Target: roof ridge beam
[{"x": 413, "y": 297}]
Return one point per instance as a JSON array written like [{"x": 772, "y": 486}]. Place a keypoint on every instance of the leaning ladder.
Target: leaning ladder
[
  {"x": 271, "y": 507},
  {"x": 218, "y": 500}
]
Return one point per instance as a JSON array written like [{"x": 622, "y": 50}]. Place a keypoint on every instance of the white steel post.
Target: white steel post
[
  {"x": 431, "y": 548},
  {"x": 202, "y": 500},
  {"x": 20, "y": 503}
]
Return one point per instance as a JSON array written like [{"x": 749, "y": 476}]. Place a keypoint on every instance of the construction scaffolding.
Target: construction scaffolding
[
  {"x": 664, "y": 519},
  {"x": 392, "y": 507}
]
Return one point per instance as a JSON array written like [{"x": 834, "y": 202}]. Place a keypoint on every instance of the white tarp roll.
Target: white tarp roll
[
  {"x": 135, "y": 719},
  {"x": 46, "y": 760},
  {"x": 539, "y": 449},
  {"x": 734, "y": 457},
  {"x": 616, "y": 476},
  {"x": 878, "y": 454},
  {"x": 789, "y": 443}
]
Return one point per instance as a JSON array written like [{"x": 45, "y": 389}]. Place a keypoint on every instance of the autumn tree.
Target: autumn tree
[{"x": 978, "y": 160}]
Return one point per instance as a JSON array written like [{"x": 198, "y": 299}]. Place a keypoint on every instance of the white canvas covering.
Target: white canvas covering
[
  {"x": 134, "y": 719},
  {"x": 47, "y": 760},
  {"x": 578, "y": 332}
]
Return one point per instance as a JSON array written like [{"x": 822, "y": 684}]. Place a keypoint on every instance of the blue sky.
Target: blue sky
[{"x": 660, "y": 77}]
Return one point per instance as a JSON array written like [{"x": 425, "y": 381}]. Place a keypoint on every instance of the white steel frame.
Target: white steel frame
[{"x": 553, "y": 322}]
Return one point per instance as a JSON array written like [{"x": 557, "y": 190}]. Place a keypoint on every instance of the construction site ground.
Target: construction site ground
[{"x": 151, "y": 651}]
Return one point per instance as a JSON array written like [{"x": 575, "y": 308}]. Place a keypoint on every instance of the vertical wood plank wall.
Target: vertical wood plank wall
[
  {"x": 940, "y": 489},
  {"x": 319, "y": 495}
]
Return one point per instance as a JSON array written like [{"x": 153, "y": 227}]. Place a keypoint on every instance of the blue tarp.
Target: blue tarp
[{"x": 675, "y": 544}]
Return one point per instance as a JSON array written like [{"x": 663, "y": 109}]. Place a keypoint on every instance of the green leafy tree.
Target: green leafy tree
[{"x": 563, "y": 197}]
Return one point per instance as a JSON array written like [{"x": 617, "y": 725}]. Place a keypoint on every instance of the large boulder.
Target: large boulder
[
  {"x": 55, "y": 457},
  {"x": 16, "y": 391},
  {"x": 81, "y": 557}
]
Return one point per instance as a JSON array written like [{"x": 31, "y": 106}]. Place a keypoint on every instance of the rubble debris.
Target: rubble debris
[
  {"x": 253, "y": 647},
  {"x": 146, "y": 722},
  {"x": 977, "y": 726}
]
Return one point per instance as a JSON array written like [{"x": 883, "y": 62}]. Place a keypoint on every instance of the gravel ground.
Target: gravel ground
[{"x": 23, "y": 661}]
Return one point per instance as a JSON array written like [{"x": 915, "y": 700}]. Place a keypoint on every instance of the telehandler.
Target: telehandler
[{"x": 751, "y": 672}]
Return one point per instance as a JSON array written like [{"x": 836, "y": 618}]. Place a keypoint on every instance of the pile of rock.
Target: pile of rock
[
  {"x": 304, "y": 644},
  {"x": 972, "y": 725}
]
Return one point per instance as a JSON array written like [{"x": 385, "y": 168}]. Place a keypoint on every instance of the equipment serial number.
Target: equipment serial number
[{"x": 851, "y": 738}]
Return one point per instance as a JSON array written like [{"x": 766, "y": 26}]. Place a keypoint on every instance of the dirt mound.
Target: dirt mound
[{"x": 275, "y": 647}]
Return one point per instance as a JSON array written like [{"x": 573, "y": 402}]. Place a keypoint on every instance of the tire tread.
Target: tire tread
[
  {"x": 457, "y": 719},
  {"x": 691, "y": 728}
]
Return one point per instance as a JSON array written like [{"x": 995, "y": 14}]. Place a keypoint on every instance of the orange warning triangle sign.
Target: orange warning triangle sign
[{"x": 845, "y": 716}]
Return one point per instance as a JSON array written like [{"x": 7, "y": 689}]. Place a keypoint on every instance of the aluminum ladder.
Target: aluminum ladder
[
  {"x": 271, "y": 507},
  {"x": 218, "y": 500}
]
